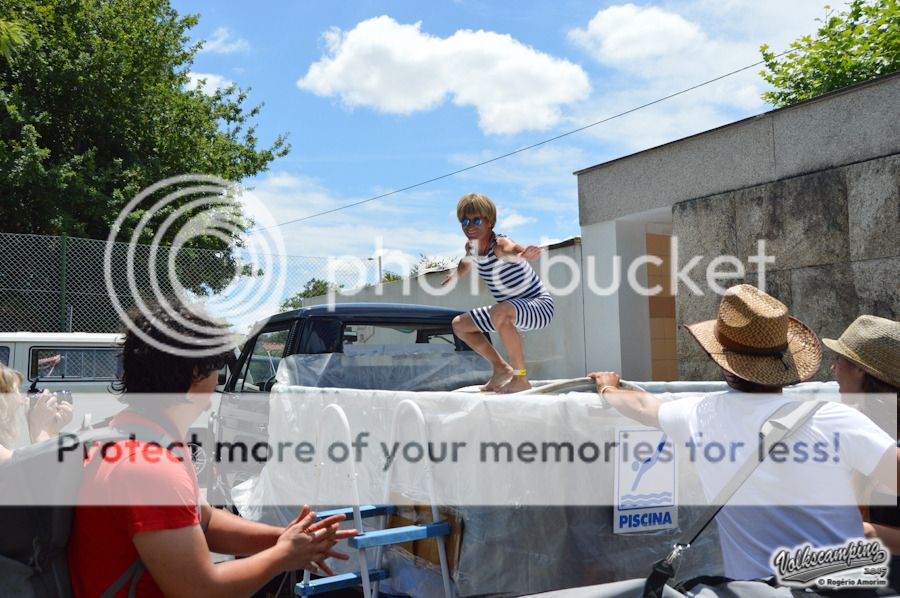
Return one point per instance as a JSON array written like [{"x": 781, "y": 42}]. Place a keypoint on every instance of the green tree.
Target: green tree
[
  {"x": 389, "y": 276},
  {"x": 856, "y": 45},
  {"x": 426, "y": 263},
  {"x": 98, "y": 107},
  {"x": 314, "y": 287},
  {"x": 12, "y": 38}
]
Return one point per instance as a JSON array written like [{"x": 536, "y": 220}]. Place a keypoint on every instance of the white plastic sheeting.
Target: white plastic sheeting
[
  {"x": 516, "y": 545},
  {"x": 387, "y": 367}
]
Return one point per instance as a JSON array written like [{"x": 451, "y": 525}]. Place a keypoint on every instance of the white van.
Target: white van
[
  {"x": 83, "y": 363},
  {"x": 80, "y": 362}
]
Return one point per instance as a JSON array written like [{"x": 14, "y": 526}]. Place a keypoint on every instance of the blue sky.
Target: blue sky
[{"x": 380, "y": 95}]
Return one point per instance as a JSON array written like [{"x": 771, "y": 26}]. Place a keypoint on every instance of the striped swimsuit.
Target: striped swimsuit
[{"x": 516, "y": 283}]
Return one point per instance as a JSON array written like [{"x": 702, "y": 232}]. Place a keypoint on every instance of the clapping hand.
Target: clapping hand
[
  {"x": 48, "y": 415},
  {"x": 309, "y": 542}
]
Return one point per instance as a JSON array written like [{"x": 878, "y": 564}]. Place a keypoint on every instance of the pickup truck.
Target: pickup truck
[{"x": 350, "y": 345}]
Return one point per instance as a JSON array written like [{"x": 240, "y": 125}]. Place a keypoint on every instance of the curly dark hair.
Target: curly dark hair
[{"x": 150, "y": 369}]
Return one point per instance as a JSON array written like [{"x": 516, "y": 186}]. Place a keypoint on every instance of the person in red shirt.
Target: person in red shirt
[{"x": 140, "y": 528}]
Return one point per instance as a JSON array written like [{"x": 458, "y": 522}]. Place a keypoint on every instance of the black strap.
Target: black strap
[
  {"x": 655, "y": 585},
  {"x": 132, "y": 573},
  {"x": 783, "y": 422}
]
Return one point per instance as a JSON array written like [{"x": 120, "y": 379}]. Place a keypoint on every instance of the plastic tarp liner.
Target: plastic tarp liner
[
  {"x": 509, "y": 550},
  {"x": 387, "y": 367}
]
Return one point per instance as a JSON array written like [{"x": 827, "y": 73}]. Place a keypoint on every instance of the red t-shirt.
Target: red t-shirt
[{"x": 140, "y": 493}]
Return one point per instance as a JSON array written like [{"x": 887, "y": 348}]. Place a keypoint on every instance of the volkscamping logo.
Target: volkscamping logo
[{"x": 857, "y": 563}]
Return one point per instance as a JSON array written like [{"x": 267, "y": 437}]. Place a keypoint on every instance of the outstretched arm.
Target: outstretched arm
[
  {"x": 507, "y": 249},
  {"x": 639, "y": 406},
  {"x": 462, "y": 268},
  {"x": 227, "y": 533},
  {"x": 179, "y": 560}
]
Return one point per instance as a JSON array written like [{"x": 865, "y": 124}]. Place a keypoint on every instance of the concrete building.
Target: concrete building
[{"x": 819, "y": 182}]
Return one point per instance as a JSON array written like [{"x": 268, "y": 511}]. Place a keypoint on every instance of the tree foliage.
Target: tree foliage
[
  {"x": 427, "y": 263},
  {"x": 389, "y": 276},
  {"x": 97, "y": 107},
  {"x": 12, "y": 38},
  {"x": 856, "y": 45},
  {"x": 314, "y": 287}
]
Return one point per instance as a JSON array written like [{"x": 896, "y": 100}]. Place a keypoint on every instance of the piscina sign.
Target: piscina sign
[{"x": 645, "y": 482}]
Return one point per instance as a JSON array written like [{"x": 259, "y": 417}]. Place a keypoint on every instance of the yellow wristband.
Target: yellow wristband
[{"x": 521, "y": 372}]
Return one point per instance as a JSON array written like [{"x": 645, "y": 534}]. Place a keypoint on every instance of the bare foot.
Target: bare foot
[
  {"x": 498, "y": 379},
  {"x": 516, "y": 384}
]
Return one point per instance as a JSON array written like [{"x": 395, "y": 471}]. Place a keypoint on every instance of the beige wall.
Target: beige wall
[{"x": 663, "y": 352}]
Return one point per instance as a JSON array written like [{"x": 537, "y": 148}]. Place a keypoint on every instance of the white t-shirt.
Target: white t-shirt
[{"x": 805, "y": 494}]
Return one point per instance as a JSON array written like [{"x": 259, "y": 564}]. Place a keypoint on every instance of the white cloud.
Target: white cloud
[
  {"x": 224, "y": 42},
  {"x": 655, "y": 51},
  {"x": 509, "y": 219},
  {"x": 396, "y": 68},
  {"x": 208, "y": 82},
  {"x": 626, "y": 34},
  {"x": 652, "y": 43},
  {"x": 281, "y": 197}
]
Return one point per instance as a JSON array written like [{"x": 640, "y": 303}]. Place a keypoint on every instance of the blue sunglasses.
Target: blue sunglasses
[{"x": 467, "y": 221}]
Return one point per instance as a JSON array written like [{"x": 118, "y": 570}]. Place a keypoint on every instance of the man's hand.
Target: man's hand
[
  {"x": 639, "y": 406},
  {"x": 308, "y": 543},
  {"x": 602, "y": 379}
]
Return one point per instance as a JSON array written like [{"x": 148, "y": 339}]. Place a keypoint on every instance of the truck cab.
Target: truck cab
[{"x": 326, "y": 338}]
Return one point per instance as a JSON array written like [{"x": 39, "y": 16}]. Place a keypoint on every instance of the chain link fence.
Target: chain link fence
[{"x": 56, "y": 283}]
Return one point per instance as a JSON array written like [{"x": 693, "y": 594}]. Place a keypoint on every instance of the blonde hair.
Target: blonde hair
[
  {"x": 477, "y": 204},
  {"x": 10, "y": 380}
]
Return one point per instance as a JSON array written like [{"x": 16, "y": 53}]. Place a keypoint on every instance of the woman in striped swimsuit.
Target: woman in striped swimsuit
[{"x": 522, "y": 301}]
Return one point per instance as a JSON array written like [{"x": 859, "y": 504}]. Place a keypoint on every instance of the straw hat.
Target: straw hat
[
  {"x": 873, "y": 344},
  {"x": 754, "y": 338}
]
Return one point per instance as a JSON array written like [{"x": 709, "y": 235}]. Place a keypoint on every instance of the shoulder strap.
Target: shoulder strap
[
  {"x": 133, "y": 573},
  {"x": 784, "y": 421}
]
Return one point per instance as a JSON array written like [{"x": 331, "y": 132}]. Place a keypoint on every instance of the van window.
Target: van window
[
  {"x": 4, "y": 355},
  {"x": 75, "y": 363},
  {"x": 389, "y": 334},
  {"x": 259, "y": 370},
  {"x": 323, "y": 335}
]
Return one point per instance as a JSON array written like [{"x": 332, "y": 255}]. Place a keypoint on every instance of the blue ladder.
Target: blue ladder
[
  {"x": 370, "y": 579},
  {"x": 372, "y": 539}
]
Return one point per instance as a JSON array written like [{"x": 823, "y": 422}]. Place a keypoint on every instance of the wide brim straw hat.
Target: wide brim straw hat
[
  {"x": 754, "y": 338},
  {"x": 873, "y": 344}
]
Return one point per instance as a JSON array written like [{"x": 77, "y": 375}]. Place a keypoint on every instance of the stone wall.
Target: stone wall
[{"x": 835, "y": 237}]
